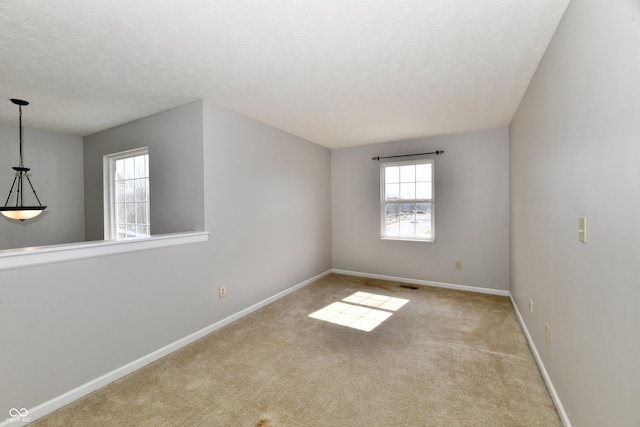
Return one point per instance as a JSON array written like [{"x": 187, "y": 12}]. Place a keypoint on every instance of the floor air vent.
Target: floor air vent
[{"x": 409, "y": 286}]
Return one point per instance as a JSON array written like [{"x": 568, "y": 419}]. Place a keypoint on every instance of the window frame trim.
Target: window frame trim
[
  {"x": 108, "y": 174},
  {"x": 382, "y": 202}
]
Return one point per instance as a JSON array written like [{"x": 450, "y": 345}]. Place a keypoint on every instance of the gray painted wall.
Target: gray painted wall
[
  {"x": 174, "y": 138},
  {"x": 471, "y": 213},
  {"x": 574, "y": 152},
  {"x": 56, "y": 173},
  {"x": 69, "y": 323},
  {"x": 268, "y": 206},
  {"x": 268, "y": 211}
]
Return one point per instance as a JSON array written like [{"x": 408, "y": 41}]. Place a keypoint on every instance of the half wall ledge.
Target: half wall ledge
[{"x": 31, "y": 256}]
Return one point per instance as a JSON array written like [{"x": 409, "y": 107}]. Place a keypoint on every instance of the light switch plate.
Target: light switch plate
[{"x": 582, "y": 229}]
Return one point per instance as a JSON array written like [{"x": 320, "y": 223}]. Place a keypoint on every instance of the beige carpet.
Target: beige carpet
[{"x": 446, "y": 358}]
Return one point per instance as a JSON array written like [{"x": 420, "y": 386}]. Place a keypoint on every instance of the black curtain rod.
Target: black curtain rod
[{"x": 437, "y": 153}]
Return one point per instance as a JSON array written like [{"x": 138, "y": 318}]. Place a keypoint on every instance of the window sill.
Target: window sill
[
  {"x": 408, "y": 240},
  {"x": 27, "y": 257}
]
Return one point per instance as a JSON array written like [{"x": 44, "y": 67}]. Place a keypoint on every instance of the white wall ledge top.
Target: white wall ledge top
[{"x": 31, "y": 256}]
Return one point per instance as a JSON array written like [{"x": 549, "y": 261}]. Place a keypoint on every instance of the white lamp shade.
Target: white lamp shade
[{"x": 22, "y": 214}]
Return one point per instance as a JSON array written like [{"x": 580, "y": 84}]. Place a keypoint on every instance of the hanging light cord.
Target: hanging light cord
[
  {"x": 20, "y": 120},
  {"x": 21, "y": 171}
]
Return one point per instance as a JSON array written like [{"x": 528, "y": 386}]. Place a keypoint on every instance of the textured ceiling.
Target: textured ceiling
[{"x": 336, "y": 72}]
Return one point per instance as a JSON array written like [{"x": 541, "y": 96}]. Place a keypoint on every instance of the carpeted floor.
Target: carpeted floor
[{"x": 445, "y": 358}]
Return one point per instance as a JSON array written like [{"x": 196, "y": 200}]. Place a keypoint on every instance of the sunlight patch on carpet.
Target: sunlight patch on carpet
[{"x": 362, "y": 310}]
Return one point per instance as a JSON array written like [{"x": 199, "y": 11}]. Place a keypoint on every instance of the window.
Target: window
[
  {"x": 126, "y": 177},
  {"x": 406, "y": 204}
]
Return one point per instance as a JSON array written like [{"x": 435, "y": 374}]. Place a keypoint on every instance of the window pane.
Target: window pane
[
  {"x": 392, "y": 226},
  {"x": 407, "y": 191},
  {"x": 120, "y": 213},
  {"x": 119, "y": 170},
  {"x": 423, "y": 190},
  {"x": 130, "y": 212},
  {"x": 129, "y": 168},
  {"x": 141, "y": 166},
  {"x": 129, "y": 191},
  {"x": 120, "y": 192},
  {"x": 408, "y": 173},
  {"x": 408, "y": 220},
  {"x": 423, "y": 209},
  {"x": 392, "y": 174},
  {"x": 392, "y": 191},
  {"x": 141, "y": 191},
  {"x": 141, "y": 213},
  {"x": 423, "y": 172},
  {"x": 142, "y": 230},
  {"x": 407, "y": 210},
  {"x": 392, "y": 210},
  {"x": 131, "y": 230},
  {"x": 423, "y": 218},
  {"x": 407, "y": 228}
]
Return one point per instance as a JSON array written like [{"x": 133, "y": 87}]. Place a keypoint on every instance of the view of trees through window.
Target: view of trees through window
[
  {"x": 407, "y": 200},
  {"x": 131, "y": 197}
]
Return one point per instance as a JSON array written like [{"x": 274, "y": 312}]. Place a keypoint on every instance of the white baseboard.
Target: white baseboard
[
  {"x": 545, "y": 375},
  {"x": 83, "y": 390},
  {"x": 424, "y": 282}
]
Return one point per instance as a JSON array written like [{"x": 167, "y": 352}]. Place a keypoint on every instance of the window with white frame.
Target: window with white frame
[
  {"x": 407, "y": 202},
  {"x": 126, "y": 182}
]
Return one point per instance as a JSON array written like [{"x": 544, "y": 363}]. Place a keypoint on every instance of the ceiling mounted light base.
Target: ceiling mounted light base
[{"x": 17, "y": 209}]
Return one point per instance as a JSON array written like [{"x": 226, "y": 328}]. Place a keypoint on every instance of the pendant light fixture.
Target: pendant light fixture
[{"x": 18, "y": 210}]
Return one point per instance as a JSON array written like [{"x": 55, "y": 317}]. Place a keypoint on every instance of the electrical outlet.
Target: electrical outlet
[
  {"x": 547, "y": 333},
  {"x": 531, "y": 305},
  {"x": 458, "y": 265},
  {"x": 323, "y": 256},
  {"x": 222, "y": 291}
]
